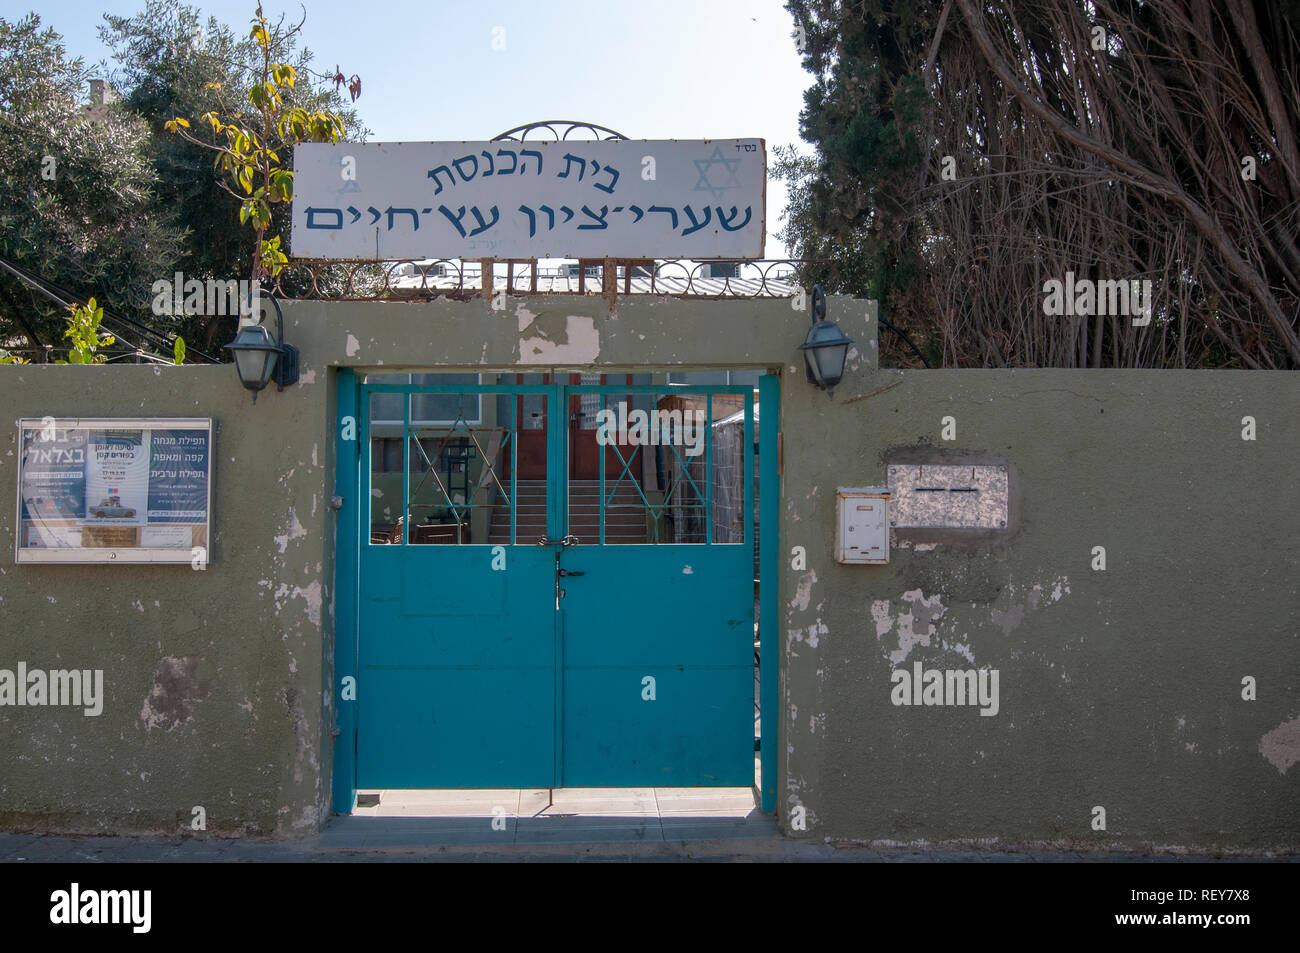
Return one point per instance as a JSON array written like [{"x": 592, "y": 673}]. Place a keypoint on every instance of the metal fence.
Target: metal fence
[{"x": 461, "y": 279}]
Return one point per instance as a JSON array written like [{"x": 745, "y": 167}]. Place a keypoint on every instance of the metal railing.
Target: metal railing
[{"x": 464, "y": 279}]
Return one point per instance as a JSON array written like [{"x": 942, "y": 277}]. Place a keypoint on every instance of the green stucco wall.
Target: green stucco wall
[
  {"x": 212, "y": 678},
  {"x": 1119, "y": 689}
]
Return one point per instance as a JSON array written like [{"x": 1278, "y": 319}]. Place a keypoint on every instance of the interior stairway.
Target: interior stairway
[{"x": 625, "y": 517}]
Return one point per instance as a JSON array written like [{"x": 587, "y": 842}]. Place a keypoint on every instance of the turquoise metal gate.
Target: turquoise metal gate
[
  {"x": 658, "y": 655},
  {"x": 533, "y": 612}
]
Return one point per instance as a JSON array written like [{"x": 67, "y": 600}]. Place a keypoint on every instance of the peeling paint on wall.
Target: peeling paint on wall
[
  {"x": 803, "y": 595},
  {"x": 1012, "y": 617},
  {"x": 1281, "y": 746},
  {"x": 294, "y": 530},
  {"x": 305, "y": 754},
  {"x": 880, "y": 612},
  {"x": 812, "y": 635},
  {"x": 312, "y": 596},
  {"x": 815, "y": 632},
  {"x": 176, "y": 690},
  {"x": 915, "y": 626},
  {"x": 557, "y": 339}
]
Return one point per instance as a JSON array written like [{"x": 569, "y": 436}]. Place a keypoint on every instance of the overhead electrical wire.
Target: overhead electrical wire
[{"x": 116, "y": 323}]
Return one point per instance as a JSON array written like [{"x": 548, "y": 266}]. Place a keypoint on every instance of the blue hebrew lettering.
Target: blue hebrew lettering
[
  {"x": 313, "y": 212},
  {"x": 482, "y": 225},
  {"x": 415, "y": 218},
  {"x": 433, "y": 174},
  {"x": 570, "y": 158},
  {"x": 375, "y": 213},
  {"x": 356, "y": 216},
  {"x": 491, "y": 164},
  {"x": 523, "y": 167},
  {"x": 568, "y": 213},
  {"x": 640, "y": 213},
  {"x": 550, "y": 214},
  {"x": 609, "y": 188},
  {"x": 532, "y": 220},
  {"x": 604, "y": 210},
  {"x": 454, "y": 219},
  {"x": 514, "y": 161},
  {"x": 670, "y": 211},
  {"x": 697, "y": 225},
  {"x": 726, "y": 220},
  {"x": 469, "y": 158}
]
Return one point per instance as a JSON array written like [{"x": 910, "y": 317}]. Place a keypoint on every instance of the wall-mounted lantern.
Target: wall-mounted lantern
[
  {"x": 258, "y": 358},
  {"x": 825, "y": 349}
]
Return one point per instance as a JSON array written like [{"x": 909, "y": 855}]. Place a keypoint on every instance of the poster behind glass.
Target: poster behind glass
[{"x": 114, "y": 490}]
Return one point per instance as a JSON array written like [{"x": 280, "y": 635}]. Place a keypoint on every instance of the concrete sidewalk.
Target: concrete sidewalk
[
  {"x": 37, "y": 848},
  {"x": 569, "y": 824}
]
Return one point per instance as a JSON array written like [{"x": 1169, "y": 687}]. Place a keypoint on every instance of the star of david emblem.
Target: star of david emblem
[{"x": 727, "y": 173}]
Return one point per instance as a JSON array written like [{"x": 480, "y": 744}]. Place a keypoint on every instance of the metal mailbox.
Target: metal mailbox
[{"x": 862, "y": 525}]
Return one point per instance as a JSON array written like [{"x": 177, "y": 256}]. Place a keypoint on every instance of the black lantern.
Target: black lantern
[
  {"x": 825, "y": 349},
  {"x": 258, "y": 358}
]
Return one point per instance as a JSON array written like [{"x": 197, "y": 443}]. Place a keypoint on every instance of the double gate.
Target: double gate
[{"x": 550, "y": 584}]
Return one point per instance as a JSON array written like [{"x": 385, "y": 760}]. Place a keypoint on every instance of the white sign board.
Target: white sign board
[{"x": 568, "y": 199}]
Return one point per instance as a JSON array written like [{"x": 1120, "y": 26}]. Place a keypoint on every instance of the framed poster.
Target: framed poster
[{"x": 114, "y": 490}]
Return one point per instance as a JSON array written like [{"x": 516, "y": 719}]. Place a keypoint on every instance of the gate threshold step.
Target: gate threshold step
[
  {"x": 529, "y": 802},
  {"x": 573, "y": 816}
]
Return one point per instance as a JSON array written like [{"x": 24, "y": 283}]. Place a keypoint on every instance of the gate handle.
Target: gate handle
[
  {"x": 566, "y": 541},
  {"x": 570, "y": 572}
]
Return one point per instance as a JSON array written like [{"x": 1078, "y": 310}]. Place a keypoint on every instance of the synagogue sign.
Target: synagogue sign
[
  {"x": 114, "y": 490},
  {"x": 617, "y": 198}
]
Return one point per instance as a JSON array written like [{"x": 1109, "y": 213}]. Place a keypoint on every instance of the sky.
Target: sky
[{"x": 650, "y": 69}]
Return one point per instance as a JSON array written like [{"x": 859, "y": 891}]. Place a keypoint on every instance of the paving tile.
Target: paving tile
[
  {"x": 688, "y": 827},
  {"x": 607, "y": 836},
  {"x": 508, "y": 807},
  {"x": 586, "y": 830},
  {"x": 629, "y": 809},
  {"x": 533, "y": 801},
  {"x": 444, "y": 802},
  {"x": 603, "y": 802},
  {"x": 604, "y": 794},
  {"x": 440, "y": 838},
  {"x": 335, "y": 840},
  {"x": 692, "y": 801}
]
